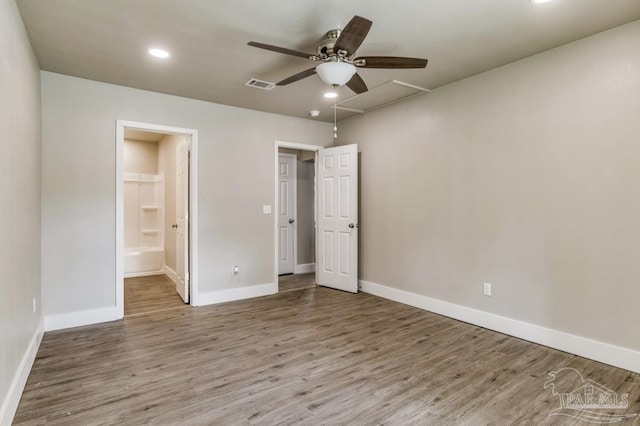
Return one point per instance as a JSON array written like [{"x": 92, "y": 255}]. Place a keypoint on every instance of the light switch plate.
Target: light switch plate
[
  {"x": 266, "y": 209},
  {"x": 487, "y": 289}
]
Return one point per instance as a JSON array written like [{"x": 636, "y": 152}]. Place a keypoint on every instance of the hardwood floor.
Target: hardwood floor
[
  {"x": 296, "y": 282},
  {"x": 310, "y": 357},
  {"x": 143, "y": 295}
]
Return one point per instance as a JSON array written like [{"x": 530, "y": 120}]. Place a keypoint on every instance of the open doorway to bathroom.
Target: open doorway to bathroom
[
  {"x": 155, "y": 222},
  {"x": 295, "y": 218}
]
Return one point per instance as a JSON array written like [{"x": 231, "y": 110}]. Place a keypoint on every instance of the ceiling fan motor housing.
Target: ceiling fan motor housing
[{"x": 325, "y": 48}]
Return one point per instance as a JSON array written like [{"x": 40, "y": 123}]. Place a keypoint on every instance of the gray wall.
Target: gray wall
[
  {"x": 306, "y": 228},
  {"x": 527, "y": 177},
  {"x": 236, "y": 176},
  {"x": 19, "y": 197}
]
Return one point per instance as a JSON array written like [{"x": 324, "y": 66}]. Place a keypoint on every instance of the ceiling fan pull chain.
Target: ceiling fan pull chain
[{"x": 335, "y": 123}]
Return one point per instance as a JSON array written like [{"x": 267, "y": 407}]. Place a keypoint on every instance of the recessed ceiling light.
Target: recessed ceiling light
[
  {"x": 158, "y": 53},
  {"x": 540, "y": 1},
  {"x": 331, "y": 95}
]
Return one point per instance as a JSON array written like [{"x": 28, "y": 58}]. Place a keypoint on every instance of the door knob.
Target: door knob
[
  {"x": 353, "y": 225},
  {"x": 175, "y": 225},
  {"x": 291, "y": 220}
]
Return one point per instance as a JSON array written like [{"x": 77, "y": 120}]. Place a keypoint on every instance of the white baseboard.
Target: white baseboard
[
  {"x": 144, "y": 274},
  {"x": 599, "y": 351},
  {"x": 14, "y": 393},
  {"x": 305, "y": 268},
  {"x": 240, "y": 293},
  {"x": 79, "y": 318},
  {"x": 173, "y": 276}
]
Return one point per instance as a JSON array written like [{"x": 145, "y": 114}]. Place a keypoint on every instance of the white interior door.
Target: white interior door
[
  {"x": 286, "y": 212},
  {"x": 182, "y": 215},
  {"x": 337, "y": 236}
]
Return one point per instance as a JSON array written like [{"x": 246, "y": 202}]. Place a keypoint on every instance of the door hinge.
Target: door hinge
[{"x": 186, "y": 276}]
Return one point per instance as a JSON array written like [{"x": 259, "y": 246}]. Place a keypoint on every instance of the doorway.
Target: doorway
[
  {"x": 156, "y": 221},
  {"x": 335, "y": 231},
  {"x": 296, "y": 219}
]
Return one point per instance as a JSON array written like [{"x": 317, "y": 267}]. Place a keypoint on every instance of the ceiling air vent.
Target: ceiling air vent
[{"x": 260, "y": 84}]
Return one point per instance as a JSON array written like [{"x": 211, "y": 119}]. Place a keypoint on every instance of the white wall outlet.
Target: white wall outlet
[
  {"x": 235, "y": 270},
  {"x": 487, "y": 289},
  {"x": 266, "y": 209},
  {"x": 35, "y": 305}
]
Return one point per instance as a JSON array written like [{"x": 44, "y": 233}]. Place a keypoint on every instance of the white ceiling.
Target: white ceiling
[{"x": 107, "y": 40}]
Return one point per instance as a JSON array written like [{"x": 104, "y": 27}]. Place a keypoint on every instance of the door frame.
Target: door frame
[
  {"x": 193, "y": 206},
  {"x": 276, "y": 204},
  {"x": 295, "y": 209}
]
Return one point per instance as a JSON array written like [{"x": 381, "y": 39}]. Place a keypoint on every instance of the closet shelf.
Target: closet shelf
[
  {"x": 149, "y": 231},
  {"x": 149, "y": 207}
]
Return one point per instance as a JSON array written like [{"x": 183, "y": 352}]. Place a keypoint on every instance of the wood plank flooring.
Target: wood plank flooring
[
  {"x": 296, "y": 282},
  {"x": 309, "y": 357},
  {"x": 143, "y": 295}
]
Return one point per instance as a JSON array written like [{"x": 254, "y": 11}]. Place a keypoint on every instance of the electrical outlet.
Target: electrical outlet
[
  {"x": 487, "y": 289},
  {"x": 235, "y": 270},
  {"x": 35, "y": 305}
]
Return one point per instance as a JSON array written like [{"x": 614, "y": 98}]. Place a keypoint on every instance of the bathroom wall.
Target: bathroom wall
[{"x": 140, "y": 157}]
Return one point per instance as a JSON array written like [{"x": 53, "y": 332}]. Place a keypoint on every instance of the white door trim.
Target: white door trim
[
  {"x": 276, "y": 213},
  {"x": 193, "y": 206}
]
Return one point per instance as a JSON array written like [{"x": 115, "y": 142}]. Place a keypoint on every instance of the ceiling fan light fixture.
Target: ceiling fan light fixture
[
  {"x": 540, "y": 1},
  {"x": 335, "y": 73}
]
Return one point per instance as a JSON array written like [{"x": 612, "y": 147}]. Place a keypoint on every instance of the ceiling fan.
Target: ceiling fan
[{"x": 337, "y": 56}]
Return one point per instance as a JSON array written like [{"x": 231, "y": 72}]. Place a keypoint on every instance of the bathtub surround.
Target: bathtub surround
[
  {"x": 20, "y": 173},
  {"x": 143, "y": 224},
  {"x": 148, "y": 253},
  {"x": 143, "y": 261},
  {"x": 143, "y": 210}
]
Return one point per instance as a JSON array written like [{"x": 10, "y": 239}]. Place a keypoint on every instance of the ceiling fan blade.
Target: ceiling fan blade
[
  {"x": 391, "y": 62},
  {"x": 296, "y": 77},
  {"x": 353, "y": 35},
  {"x": 280, "y": 49},
  {"x": 357, "y": 84}
]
